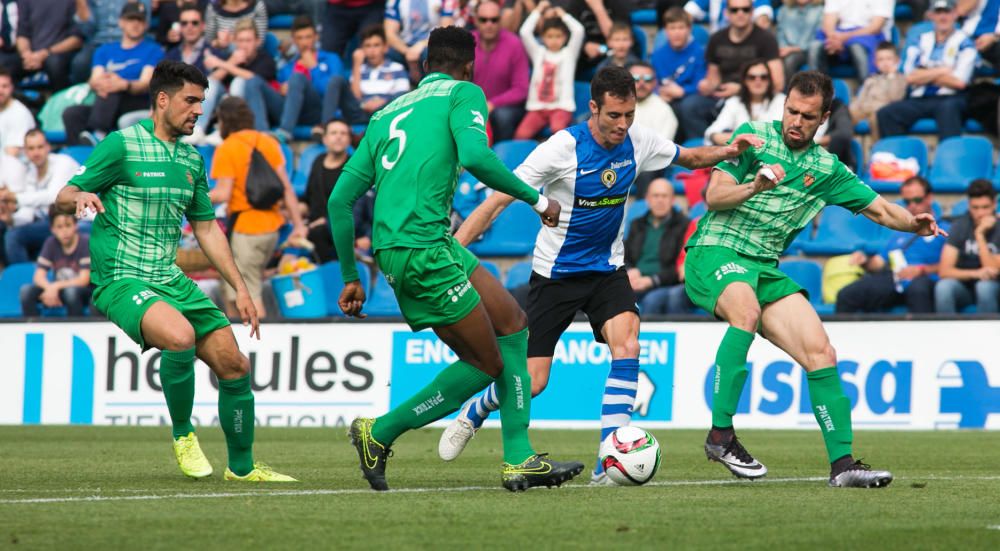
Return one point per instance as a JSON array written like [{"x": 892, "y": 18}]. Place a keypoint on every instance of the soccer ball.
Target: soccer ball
[{"x": 630, "y": 456}]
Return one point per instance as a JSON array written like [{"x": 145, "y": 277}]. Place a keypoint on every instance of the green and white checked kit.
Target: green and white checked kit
[
  {"x": 764, "y": 225},
  {"x": 147, "y": 187}
]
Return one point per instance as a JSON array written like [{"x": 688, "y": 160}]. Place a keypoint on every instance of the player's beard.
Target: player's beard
[{"x": 796, "y": 144}]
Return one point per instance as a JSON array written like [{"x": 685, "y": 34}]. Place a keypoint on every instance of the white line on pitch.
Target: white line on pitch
[{"x": 321, "y": 492}]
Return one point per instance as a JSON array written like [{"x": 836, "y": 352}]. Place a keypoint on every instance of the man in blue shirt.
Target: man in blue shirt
[
  {"x": 119, "y": 77},
  {"x": 680, "y": 63},
  {"x": 99, "y": 27},
  {"x": 306, "y": 84},
  {"x": 906, "y": 271}
]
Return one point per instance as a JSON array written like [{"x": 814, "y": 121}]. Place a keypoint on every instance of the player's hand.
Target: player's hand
[
  {"x": 88, "y": 203},
  {"x": 741, "y": 143},
  {"x": 926, "y": 225},
  {"x": 352, "y": 298},
  {"x": 248, "y": 312},
  {"x": 768, "y": 177},
  {"x": 550, "y": 217},
  {"x": 986, "y": 224}
]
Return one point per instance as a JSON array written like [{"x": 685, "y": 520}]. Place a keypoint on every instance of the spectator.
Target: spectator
[
  {"x": 66, "y": 256},
  {"x": 969, "y": 262},
  {"x": 551, "y": 100},
  {"x": 312, "y": 85},
  {"x": 501, "y": 69},
  {"x": 651, "y": 249},
  {"x": 8, "y": 32},
  {"x": 12, "y": 174},
  {"x": 620, "y": 42},
  {"x": 253, "y": 232},
  {"x": 905, "y": 271},
  {"x": 650, "y": 109},
  {"x": 100, "y": 24},
  {"x": 47, "y": 39},
  {"x": 345, "y": 18},
  {"x": 120, "y": 79},
  {"x": 168, "y": 15},
  {"x": 880, "y": 89},
  {"x": 937, "y": 68},
  {"x": 728, "y": 51},
  {"x": 680, "y": 63},
  {"x": 375, "y": 80},
  {"x": 983, "y": 25},
  {"x": 408, "y": 24},
  {"x": 714, "y": 13},
  {"x": 249, "y": 64},
  {"x": 15, "y": 118},
  {"x": 851, "y": 30},
  {"x": 46, "y": 174},
  {"x": 193, "y": 50},
  {"x": 836, "y": 133},
  {"x": 221, "y": 19},
  {"x": 323, "y": 176},
  {"x": 798, "y": 23},
  {"x": 757, "y": 100}
]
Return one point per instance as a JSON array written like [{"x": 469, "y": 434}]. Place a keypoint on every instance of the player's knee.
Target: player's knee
[
  {"x": 490, "y": 364},
  {"x": 179, "y": 338},
  {"x": 828, "y": 355},
  {"x": 514, "y": 323},
  {"x": 538, "y": 384},
  {"x": 628, "y": 348},
  {"x": 233, "y": 365},
  {"x": 748, "y": 319}
]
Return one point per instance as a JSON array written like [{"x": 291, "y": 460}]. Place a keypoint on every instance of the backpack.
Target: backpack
[{"x": 264, "y": 188}]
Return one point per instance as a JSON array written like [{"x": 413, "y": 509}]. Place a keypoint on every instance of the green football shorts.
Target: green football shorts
[
  {"x": 708, "y": 270},
  {"x": 432, "y": 285},
  {"x": 125, "y": 301}
]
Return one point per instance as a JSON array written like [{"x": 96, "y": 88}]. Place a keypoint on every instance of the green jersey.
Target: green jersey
[
  {"x": 765, "y": 224},
  {"x": 147, "y": 186}
]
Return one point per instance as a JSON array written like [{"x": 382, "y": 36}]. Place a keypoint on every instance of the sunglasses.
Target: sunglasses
[
  {"x": 488, "y": 19},
  {"x": 914, "y": 200},
  {"x": 747, "y": 9},
  {"x": 643, "y": 78},
  {"x": 758, "y": 76},
  {"x": 189, "y": 23}
]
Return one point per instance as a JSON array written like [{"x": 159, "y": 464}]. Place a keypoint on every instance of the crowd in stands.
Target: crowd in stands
[{"x": 283, "y": 73}]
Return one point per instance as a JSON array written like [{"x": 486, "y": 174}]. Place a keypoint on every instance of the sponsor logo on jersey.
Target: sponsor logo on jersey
[
  {"x": 428, "y": 404},
  {"x": 609, "y": 177},
  {"x": 586, "y": 172},
  {"x": 478, "y": 118},
  {"x": 808, "y": 180},
  {"x": 142, "y": 296},
  {"x": 81, "y": 170},
  {"x": 459, "y": 291},
  {"x": 621, "y": 164},
  {"x": 730, "y": 268},
  {"x": 600, "y": 202},
  {"x": 146, "y": 174},
  {"x": 825, "y": 418},
  {"x": 190, "y": 179}
]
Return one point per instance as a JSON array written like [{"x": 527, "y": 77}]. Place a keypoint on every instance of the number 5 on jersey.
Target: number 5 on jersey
[{"x": 395, "y": 133}]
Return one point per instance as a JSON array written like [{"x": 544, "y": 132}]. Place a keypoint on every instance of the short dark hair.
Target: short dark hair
[
  {"x": 35, "y": 131},
  {"x": 613, "y": 80},
  {"x": 981, "y": 187},
  {"x": 917, "y": 180},
  {"x": 645, "y": 64},
  {"x": 620, "y": 27},
  {"x": 886, "y": 45},
  {"x": 190, "y": 6},
  {"x": 234, "y": 115},
  {"x": 745, "y": 91},
  {"x": 170, "y": 76},
  {"x": 338, "y": 120},
  {"x": 813, "y": 83},
  {"x": 5, "y": 72},
  {"x": 555, "y": 23},
  {"x": 54, "y": 212},
  {"x": 302, "y": 22},
  {"x": 449, "y": 49},
  {"x": 676, "y": 14},
  {"x": 375, "y": 29}
]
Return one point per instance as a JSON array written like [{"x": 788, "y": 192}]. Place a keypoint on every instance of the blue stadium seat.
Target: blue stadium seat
[
  {"x": 12, "y": 278},
  {"x": 514, "y": 152},
  {"x": 382, "y": 300},
  {"x": 79, "y": 153},
  {"x": 280, "y": 21},
  {"x": 208, "y": 154},
  {"x": 640, "y": 40},
  {"x": 468, "y": 194},
  {"x": 271, "y": 44},
  {"x": 512, "y": 233},
  {"x": 55, "y": 136},
  {"x": 581, "y": 93},
  {"x": 302, "y": 167},
  {"x": 903, "y": 12},
  {"x": 809, "y": 276},
  {"x": 333, "y": 284},
  {"x": 840, "y": 232},
  {"x": 862, "y": 128},
  {"x": 302, "y": 133},
  {"x": 491, "y": 268},
  {"x": 635, "y": 210},
  {"x": 961, "y": 207},
  {"x": 698, "y": 210},
  {"x": 841, "y": 91},
  {"x": 902, "y": 147},
  {"x": 518, "y": 275},
  {"x": 958, "y": 161},
  {"x": 286, "y": 151},
  {"x": 799, "y": 243},
  {"x": 936, "y": 209},
  {"x": 644, "y": 17}
]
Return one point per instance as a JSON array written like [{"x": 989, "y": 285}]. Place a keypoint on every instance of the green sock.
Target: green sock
[
  {"x": 236, "y": 416},
  {"x": 730, "y": 375},
  {"x": 177, "y": 379},
  {"x": 446, "y": 393},
  {"x": 514, "y": 393},
  {"x": 832, "y": 409}
]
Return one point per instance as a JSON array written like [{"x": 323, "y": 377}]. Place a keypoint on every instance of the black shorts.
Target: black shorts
[{"x": 553, "y": 303}]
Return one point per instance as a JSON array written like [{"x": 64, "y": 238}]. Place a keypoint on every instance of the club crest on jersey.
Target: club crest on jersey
[
  {"x": 190, "y": 179},
  {"x": 608, "y": 178},
  {"x": 808, "y": 180}
]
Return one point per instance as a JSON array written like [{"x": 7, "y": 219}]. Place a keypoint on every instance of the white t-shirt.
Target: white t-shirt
[
  {"x": 15, "y": 121},
  {"x": 34, "y": 195},
  {"x": 857, "y": 13},
  {"x": 655, "y": 114},
  {"x": 734, "y": 113},
  {"x": 552, "y": 73}
]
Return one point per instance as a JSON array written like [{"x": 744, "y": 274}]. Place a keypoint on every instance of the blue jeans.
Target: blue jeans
[
  {"x": 265, "y": 102},
  {"x": 952, "y": 295},
  {"x": 75, "y": 299},
  {"x": 24, "y": 242},
  {"x": 666, "y": 300},
  {"x": 896, "y": 118},
  {"x": 342, "y": 24},
  {"x": 505, "y": 120},
  {"x": 695, "y": 113},
  {"x": 213, "y": 94}
]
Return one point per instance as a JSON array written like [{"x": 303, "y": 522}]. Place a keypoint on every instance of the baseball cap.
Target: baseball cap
[
  {"x": 943, "y": 5},
  {"x": 133, "y": 10}
]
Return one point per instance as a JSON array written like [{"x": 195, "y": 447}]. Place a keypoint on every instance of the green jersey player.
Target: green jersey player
[
  {"x": 757, "y": 204},
  {"x": 142, "y": 181},
  {"x": 412, "y": 153}
]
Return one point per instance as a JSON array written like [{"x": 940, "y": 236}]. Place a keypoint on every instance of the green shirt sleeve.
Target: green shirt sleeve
[
  {"x": 468, "y": 127},
  {"x": 739, "y": 167},
  {"x": 362, "y": 163},
  {"x": 340, "y": 211},
  {"x": 200, "y": 207},
  {"x": 847, "y": 190},
  {"x": 102, "y": 168}
]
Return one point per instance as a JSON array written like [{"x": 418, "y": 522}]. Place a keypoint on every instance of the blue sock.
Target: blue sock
[
  {"x": 482, "y": 406},
  {"x": 619, "y": 397}
]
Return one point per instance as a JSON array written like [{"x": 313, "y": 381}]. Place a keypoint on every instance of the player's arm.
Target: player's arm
[
  {"x": 351, "y": 185},
  {"x": 215, "y": 245},
  {"x": 710, "y": 155},
  {"x": 99, "y": 172},
  {"x": 725, "y": 193},
  {"x": 482, "y": 217},
  {"x": 898, "y": 218}
]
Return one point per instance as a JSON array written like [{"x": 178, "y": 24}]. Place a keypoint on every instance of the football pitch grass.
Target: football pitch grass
[{"x": 118, "y": 487}]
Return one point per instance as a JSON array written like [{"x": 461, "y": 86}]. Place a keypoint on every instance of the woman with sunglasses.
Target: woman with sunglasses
[{"x": 756, "y": 101}]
